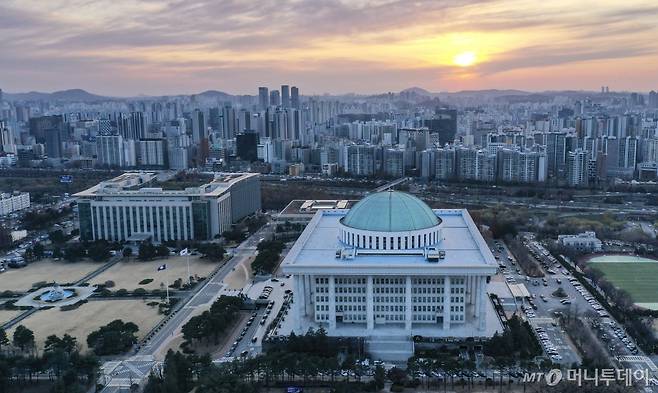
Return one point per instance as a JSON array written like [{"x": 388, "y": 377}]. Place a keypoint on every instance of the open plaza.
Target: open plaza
[
  {"x": 89, "y": 317},
  {"x": 128, "y": 274},
  {"x": 47, "y": 270}
]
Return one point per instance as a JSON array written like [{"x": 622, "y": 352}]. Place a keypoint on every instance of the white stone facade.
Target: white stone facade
[
  {"x": 119, "y": 210},
  {"x": 352, "y": 288}
]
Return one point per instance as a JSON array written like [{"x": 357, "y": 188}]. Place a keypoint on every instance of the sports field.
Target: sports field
[{"x": 637, "y": 276}]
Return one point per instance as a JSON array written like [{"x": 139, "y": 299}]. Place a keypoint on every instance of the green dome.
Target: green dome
[{"x": 390, "y": 211}]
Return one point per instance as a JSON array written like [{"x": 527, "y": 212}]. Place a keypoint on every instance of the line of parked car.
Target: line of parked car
[
  {"x": 547, "y": 344},
  {"x": 243, "y": 333},
  {"x": 589, "y": 298}
]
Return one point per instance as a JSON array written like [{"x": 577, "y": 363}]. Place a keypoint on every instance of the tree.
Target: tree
[
  {"x": 127, "y": 252},
  {"x": 57, "y": 236},
  {"x": 235, "y": 234},
  {"x": 146, "y": 251},
  {"x": 23, "y": 337},
  {"x": 380, "y": 377},
  {"x": 560, "y": 292},
  {"x": 67, "y": 343},
  {"x": 75, "y": 252},
  {"x": 162, "y": 251},
  {"x": 38, "y": 250},
  {"x": 114, "y": 338},
  {"x": 4, "y": 340},
  {"x": 214, "y": 322},
  {"x": 397, "y": 376},
  {"x": 269, "y": 253},
  {"x": 212, "y": 251},
  {"x": 99, "y": 251}
]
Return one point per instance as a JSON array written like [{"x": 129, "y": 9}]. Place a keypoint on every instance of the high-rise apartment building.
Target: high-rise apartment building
[
  {"x": 294, "y": 97},
  {"x": 263, "y": 97},
  {"x": 275, "y": 98},
  {"x": 285, "y": 96},
  {"x": 577, "y": 168}
]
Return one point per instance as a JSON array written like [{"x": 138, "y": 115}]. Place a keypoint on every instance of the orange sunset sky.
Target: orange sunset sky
[{"x": 130, "y": 47}]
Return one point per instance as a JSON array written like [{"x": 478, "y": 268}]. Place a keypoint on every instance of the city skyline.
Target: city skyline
[{"x": 164, "y": 48}]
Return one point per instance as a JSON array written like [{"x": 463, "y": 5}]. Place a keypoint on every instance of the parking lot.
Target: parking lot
[
  {"x": 541, "y": 307},
  {"x": 554, "y": 341},
  {"x": 271, "y": 296}
]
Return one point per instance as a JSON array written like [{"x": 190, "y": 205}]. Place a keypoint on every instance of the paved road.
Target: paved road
[
  {"x": 617, "y": 349},
  {"x": 206, "y": 294},
  {"x": 544, "y": 314},
  {"x": 391, "y": 184},
  {"x": 118, "y": 375}
]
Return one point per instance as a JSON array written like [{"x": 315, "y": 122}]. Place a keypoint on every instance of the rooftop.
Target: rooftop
[
  {"x": 145, "y": 184},
  {"x": 461, "y": 241},
  {"x": 395, "y": 212},
  {"x": 310, "y": 206}
]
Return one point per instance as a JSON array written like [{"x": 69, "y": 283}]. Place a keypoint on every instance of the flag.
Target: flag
[
  {"x": 162, "y": 267},
  {"x": 184, "y": 252}
]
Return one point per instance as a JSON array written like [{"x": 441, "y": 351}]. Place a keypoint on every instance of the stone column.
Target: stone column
[
  {"x": 125, "y": 222},
  {"x": 484, "y": 298},
  {"x": 332, "y": 302},
  {"x": 97, "y": 223},
  {"x": 308, "y": 295},
  {"x": 109, "y": 220},
  {"x": 446, "y": 303},
  {"x": 471, "y": 290},
  {"x": 370, "y": 308},
  {"x": 407, "y": 298},
  {"x": 298, "y": 300},
  {"x": 476, "y": 296}
]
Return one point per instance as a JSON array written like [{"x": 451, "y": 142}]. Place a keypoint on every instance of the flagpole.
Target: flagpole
[
  {"x": 168, "y": 303},
  {"x": 189, "y": 280}
]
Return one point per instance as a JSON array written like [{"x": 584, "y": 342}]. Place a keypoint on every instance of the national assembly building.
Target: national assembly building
[
  {"x": 390, "y": 268},
  {"x": 131, "y": 207}
]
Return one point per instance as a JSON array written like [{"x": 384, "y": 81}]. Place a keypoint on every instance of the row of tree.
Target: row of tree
[
  {"x": 269, "y": 254},
  {"x": 45, "y": 218},
  {"x": 299, "y": 357},
  {"x": 214, "y": 322},
  {"x": 638, "y": 323},
  {"x": 67, "y": 369},
  {"x": 517, "y": 341},
  {"x": 114, "y": 338}
]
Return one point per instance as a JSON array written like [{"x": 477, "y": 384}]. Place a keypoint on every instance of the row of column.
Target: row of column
[
  {"x": 475, "y": 294},
  {"x": 104, "y": 228}
]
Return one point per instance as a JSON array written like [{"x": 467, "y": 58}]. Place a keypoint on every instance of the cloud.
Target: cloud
[{"x": 344, "y": 43}]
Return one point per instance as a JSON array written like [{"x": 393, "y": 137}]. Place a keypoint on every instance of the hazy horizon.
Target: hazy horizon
[{"x": 127, "y": 48}]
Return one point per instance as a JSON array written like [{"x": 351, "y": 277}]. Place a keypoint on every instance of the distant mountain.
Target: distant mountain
[
  {"x": 488, "y": 92},
  {"x": 71, "y": 95},
  {"x": 417, "y": 90},
  {"x": 214, "y": 94}
]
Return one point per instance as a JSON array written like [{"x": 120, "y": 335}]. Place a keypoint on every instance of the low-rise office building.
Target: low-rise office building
[
  {"x": 131, "y": 207},
  {"x": 586, "y": 241}
]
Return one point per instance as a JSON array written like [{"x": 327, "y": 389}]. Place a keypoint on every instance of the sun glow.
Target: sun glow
[{"x": 465, "y": 59}]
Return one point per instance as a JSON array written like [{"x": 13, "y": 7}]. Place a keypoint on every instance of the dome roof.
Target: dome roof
[{"x": 390, "y": 211}]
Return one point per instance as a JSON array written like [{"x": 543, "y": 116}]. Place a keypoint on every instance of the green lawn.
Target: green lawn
[{"x": 640, "y": 279}]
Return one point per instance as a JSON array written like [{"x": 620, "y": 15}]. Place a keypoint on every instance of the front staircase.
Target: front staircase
[{"x": 392, "y": 349}]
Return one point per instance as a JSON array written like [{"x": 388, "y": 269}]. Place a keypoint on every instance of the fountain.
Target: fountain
[{"x": 55, "y": 294}]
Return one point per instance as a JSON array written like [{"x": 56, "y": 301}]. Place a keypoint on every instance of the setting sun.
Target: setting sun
[{"x": 465, "y": 59}]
